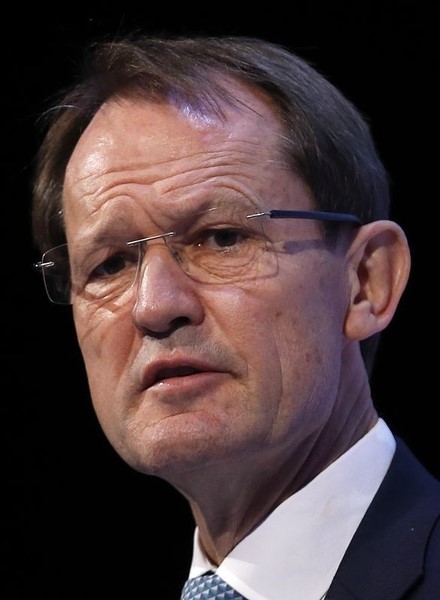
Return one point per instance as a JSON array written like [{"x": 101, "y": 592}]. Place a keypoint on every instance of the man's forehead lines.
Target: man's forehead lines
[{"x": 123, "y": 219}]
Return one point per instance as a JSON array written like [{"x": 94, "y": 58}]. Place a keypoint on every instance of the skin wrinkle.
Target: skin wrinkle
[
  {"x": 168, "y": 160},
  {"x": 222, "y": 353},
  {"x": 265, "y": 410}
]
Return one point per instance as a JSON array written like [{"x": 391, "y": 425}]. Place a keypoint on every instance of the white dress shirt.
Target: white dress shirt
[{"x": 295, "y": 552}]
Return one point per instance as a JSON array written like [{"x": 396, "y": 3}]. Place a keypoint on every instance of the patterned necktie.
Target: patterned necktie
[{"x": 209, "y": 587}]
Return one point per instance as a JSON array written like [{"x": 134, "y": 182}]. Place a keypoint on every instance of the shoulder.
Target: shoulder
[
  {"x": 407, "y": 503},
  {"x": 395, "y": 552},
  {"x": 408, "y": 477}
]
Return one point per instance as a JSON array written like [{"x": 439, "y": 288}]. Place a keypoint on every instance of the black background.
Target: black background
[{"x": 78, "y": 523}]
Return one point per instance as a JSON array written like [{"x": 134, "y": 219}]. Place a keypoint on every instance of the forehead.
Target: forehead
[
  {"x": 125, "y": 131},
  {"x": 141, "y": 162}
]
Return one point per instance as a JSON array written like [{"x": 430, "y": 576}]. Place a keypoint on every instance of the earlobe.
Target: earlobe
[{"x": 378, "y": 263}]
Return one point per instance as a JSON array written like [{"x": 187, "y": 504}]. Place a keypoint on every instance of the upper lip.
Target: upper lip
[{"x": 164, "y": 368}]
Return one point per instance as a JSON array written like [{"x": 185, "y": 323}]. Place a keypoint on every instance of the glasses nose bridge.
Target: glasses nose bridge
[
  {"x": 144, "y": 243},
  {"x": 148, "y": 242}
]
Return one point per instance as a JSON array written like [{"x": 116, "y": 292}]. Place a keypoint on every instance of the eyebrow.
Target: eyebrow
[
  {"x": 123, "y": 226},
  {"x": 101, "y": 237},
  {"x": 216, "y": 200}
]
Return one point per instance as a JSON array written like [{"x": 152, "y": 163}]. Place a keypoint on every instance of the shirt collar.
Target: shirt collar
[{"x": 295, "y": 552}]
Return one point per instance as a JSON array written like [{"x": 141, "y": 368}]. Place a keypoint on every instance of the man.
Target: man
[{"x": 217, "y": 216}]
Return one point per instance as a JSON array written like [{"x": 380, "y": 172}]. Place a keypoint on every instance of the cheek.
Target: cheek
[
  {"x": 246, "y": 320},
  {"x": 268, "y": 330},
  {"x": 309, "y": 341},
  {"x": 106, "y": 342}
]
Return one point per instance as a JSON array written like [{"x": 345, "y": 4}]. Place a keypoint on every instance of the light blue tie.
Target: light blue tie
[{"x": 209, "y": 587}]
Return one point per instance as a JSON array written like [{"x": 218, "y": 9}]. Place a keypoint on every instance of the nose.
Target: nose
[{"x": 166, "y": 297}]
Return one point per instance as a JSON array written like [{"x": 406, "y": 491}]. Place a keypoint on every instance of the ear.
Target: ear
[{"x": 379, "y": 263}]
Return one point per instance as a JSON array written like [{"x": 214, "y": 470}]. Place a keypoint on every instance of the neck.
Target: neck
[
  {"x": 231, "y": 509},
  {"x": 231, "y": 498}
]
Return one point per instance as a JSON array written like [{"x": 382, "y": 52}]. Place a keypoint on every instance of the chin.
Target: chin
[{"x": 169, "y": 451}]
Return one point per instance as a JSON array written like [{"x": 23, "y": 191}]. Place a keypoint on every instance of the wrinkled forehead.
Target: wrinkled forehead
[
  {"x": 149, "y": 160},
  {"x": 128, "y": 125}
]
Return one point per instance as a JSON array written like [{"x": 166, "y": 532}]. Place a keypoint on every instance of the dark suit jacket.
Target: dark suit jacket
[{"x": 395, "y": 553}]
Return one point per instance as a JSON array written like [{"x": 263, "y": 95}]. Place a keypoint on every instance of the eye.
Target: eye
[
  {"x": 221, "y": 238},
  {"x": 115, "y": 264}
]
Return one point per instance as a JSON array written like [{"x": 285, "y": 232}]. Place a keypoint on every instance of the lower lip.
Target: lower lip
[{"x": 189, "y": 383}]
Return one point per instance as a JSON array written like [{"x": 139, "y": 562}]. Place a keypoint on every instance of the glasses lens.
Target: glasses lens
[
  {"x": 221, "y": 245},
  {"x": 56, "y": 274},
  {"x": 217, "y": 245},
  {"x": 102, "y": 272}
]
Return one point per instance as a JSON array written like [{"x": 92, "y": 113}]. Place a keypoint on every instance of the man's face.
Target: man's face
[{"x": 186, "y": 374}]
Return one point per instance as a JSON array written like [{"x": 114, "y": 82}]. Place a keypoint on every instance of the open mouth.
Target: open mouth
[{"x": 169, "y": 373}]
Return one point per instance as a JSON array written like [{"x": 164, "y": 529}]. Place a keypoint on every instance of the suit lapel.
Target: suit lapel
[{"x": 385, "y": 557}]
